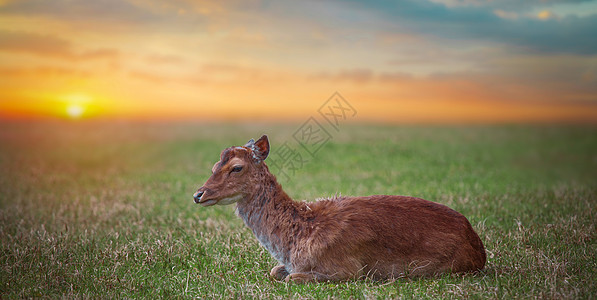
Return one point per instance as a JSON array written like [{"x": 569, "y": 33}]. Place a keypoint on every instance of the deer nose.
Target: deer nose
[{"x": 197, "y": 196}]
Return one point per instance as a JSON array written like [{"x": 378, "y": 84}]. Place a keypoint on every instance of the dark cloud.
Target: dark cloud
[
  {"x": 527, "y": 5},
  {"x": 479, "y": 23},
  {"x": 569, "y": 35}
]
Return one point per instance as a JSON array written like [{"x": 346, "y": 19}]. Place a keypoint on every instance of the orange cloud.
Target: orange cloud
[
  {"x": 34, "y": 44},
  {"x": 506, "y": 14},
  {"x": 546, "y": 15}
]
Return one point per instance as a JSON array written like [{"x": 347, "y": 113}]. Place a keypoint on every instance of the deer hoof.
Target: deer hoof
[
  {"x": 279, "y": 272},
  {"x": 299, "y": 278}
]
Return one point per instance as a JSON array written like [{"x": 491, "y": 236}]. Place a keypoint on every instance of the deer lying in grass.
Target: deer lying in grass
[{"x": 341, "y": 238}]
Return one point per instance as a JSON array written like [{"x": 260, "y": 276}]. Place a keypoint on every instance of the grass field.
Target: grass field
[{"x": 106, "y": 210}]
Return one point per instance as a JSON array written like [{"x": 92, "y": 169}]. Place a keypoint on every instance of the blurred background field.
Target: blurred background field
[{"x": 98, "y": 209}]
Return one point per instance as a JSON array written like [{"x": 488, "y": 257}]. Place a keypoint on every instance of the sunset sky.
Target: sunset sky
[{"x": 394, "y": 61}]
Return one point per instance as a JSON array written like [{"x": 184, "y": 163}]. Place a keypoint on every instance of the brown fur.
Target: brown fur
[{"x": 340, "y": 238}]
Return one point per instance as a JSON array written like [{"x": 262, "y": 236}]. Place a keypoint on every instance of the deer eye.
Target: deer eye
[{"x": 237, "y": 168}]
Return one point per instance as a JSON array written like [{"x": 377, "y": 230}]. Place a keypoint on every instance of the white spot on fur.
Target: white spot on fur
[
  {"x": 255, "y": 157},
  {"x": 264, "y": 239},
  {"x": 265, "y": 242}
]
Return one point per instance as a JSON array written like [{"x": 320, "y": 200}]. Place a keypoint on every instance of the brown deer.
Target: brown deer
[{"x": 340, "y": 238}]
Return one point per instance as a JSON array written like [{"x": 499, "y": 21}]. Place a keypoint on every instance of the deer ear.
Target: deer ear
[
  {"x": 262, "y": 147},
  {"x": 250, "y": 144}
]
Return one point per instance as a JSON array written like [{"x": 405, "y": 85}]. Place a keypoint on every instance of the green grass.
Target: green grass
[{"x": 105, "y": 210}]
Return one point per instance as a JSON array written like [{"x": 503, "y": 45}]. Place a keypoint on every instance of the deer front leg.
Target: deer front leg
[{"x": 279, "y": 272}]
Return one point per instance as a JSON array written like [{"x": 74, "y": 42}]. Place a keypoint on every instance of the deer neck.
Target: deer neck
[{"x": 273, "y": 217}]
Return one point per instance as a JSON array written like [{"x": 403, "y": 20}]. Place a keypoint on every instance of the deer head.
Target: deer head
[{"x": 234, "y": 176}]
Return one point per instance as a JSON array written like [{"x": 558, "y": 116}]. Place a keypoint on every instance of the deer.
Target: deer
[{"x": 382, "y": 237}]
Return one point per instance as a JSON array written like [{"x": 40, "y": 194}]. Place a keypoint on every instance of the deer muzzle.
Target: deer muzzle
[{"x": 197, "y": 196}]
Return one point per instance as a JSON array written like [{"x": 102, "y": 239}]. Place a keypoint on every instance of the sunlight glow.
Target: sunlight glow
[{"x": 77, "y": 98}]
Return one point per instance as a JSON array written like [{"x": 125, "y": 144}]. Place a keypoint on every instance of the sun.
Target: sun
[
  {"x": 75, "y": 111},
  {"x": 76, "y": 105}
]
